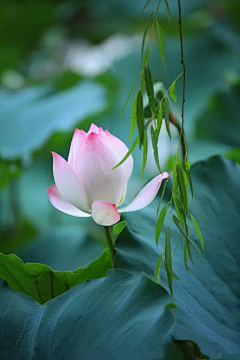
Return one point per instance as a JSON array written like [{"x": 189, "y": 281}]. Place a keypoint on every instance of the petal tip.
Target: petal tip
[
  {"x": 165, "y": 175},
  {"x": 105, "y": 214}
]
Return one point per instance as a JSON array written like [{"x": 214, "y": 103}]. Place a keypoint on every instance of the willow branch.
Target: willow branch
[
  {"x": 184, "y": 73},
  {"x": 173, "y": 120}
]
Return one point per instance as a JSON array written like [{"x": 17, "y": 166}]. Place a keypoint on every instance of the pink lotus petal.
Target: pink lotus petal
[
  {"x": 68, "y": 184},
  {"x": 59, "y": 203},
  {"x": 146, "y": 195},
  {"x": 122, "y": 150},
  {"x": 104, "y": 213},
  {"x": 79, "y": 137},
  {"x": 97, "y": 157},
  {"x": 93, "y": 129}
]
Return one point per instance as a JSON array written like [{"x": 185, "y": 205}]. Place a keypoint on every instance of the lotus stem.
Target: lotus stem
[{"x": 110, "y": 244}]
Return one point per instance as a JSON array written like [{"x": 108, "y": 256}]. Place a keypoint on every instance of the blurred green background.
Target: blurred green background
[{"x": 65, "y": 64}]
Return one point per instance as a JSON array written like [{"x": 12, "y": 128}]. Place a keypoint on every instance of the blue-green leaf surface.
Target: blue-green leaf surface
[
  {"x": 120, "y": 317},
  {"x": 208, "y": 297}
]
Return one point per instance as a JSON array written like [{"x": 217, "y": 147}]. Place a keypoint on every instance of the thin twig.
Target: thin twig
[
  {"x": 182, "y": 59},
  {"x": 182, "y": 135},
  {"x": 173, "y": 120}
]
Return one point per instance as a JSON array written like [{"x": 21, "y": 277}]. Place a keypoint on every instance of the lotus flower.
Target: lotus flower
[{"x": 87, "y": 185}]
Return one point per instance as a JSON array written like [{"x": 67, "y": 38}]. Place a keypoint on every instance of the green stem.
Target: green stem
[
  {"x": 110, "y": 243},
  {"x": 174, "y": 121}
]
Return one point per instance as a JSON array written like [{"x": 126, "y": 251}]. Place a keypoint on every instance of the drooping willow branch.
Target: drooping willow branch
[
  {"x": 174, "y": 121},
  {"x": 177, "y": 208},
  {"x": 182, "y": 135}
]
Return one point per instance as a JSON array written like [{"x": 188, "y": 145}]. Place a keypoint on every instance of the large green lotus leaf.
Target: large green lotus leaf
[
  {"x": 35, "y": 115},
  {"x": 208, "y": 297},
  {"x": 41, "y": 282},
  {"x": 120, "y": 317}
]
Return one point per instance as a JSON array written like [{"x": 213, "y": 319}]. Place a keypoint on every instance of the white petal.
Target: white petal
[
  {"x": 68, "y": 184},
  {"x": 104, "y": 213},
  {"x": 96, "y": 159},
  {"x": 146, "y": 195},
  {"x": 59, "y": 203},
  {"x": 122, "y": 150},
  {"x": 79, "y": 137}
]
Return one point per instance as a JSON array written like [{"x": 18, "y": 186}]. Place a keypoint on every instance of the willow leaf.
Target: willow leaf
[
  {"x": 182, "y": 188},
  {"x": 140, "y": 115},
  {"x": 162, "y": 194},
  {"x": 130, "y": 93},
  {"x": 144, "y": 38},
  {"x": 136, "y": 141},
  {"x": 159, "y": 121},
  {"x": 198, "y": 231},
  {"x": 183, "y": 232},
  {"x": 150, "y": 92},
  {"x": 173, "y": 93},
  {"x": 133, "y": 117},
  {"x": 145, "y": 152},
  {"x": 158, "y": 265},
  {"x": 168, "y": 259},
  {"x": 168, "y": 11},
  {"x": 155, "y": 149},
  {"x": 160, "y": 222},
  {"x": 160, "y": 39},
  {"x": 186, "y": 167},
  {"x": 166, "y": 116},
  {"x": 144, "y": 62}
]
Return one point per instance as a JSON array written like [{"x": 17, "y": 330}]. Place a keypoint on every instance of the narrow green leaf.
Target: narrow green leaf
[
  {"x": 145, "y": 152},
  {"x": 198, "y": 231},
  {"x": 159, "y": 121},
  {"x": 158, "y": 265},
  {"x": 130, "y": 93},
  {"x": 189, "y": 251},
  {"x": 186, "y": 167},
  {"x": 144, "y": 62},
  {"x": 155, "y": 149},
  {"x": 162, "y": 194},
  {"x": 178, "y": 208},
  {"x": 160, "y": 222},
  {"x": 174, "y": 174},
  {"x": 140, "y": 116},
  {"x": 173, "y": 93},
  {"x": 168, "y": 11},
  {"x": 150, "y": 92},
  {"x": 133, "y": 117},
  {"x": 180, "y": 227},
  {"x": 160, "y": 39},
  {"x": 146, "y": 5},
  {"x": 175, "y": 276},
  {"x": 119, "y": 227},
  {"x": 166, "y": 116},
  {"x": 128, "y": 153},
  {"x": 144, "y": 38},
  {"x": 182, "y": 188},
  {"x": 168, "y": 259},
  {"x": 179, "y": 205},
  {"x": 183, "y": 232},
  {"x": 158, "y": 279}
]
